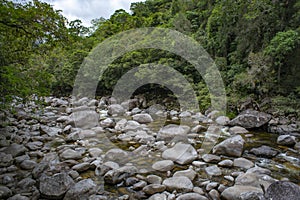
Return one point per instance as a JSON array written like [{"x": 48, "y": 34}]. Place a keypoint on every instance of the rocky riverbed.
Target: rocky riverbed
[{"x": 96, "y": 149}]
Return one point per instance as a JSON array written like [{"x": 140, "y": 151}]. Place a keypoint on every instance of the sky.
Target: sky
[{"x": 86, "y": 10}]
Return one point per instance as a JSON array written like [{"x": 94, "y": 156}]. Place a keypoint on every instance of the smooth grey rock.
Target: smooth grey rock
[
  {"x": 95, "y": 152},
  {"x": 198, "y": 129},
  {"x": 70, "y": 154},
  {"x": 222, "y": 120},
  {"x": 5, "y": 192},
  {"x": 264, "y": 151},
  {"x": 139, "y": 185},
  {"x": 226, "y": 163},
  {"x": 105, "y": 167},
  {"x": 259, "y": 170},
  {"x": 142, "y": 118},
  {"x": 170, "y": 131},
  {"x": 18, "y": 197},
  {"x": 63, "y": 119},
  {"x": 161, "y": 196},
  {"x": 234, "y": 192},
  {"x": 189, "y": 173},
  {"x": 214, "y": 194},
  {"x": 154, "y": 188},
  {"x": 185, "y": 114},
  {"x": 237, "y": 130},
  {"x": 210, "y": 158},
  {"x": 255, "y": 180},
  {"x": 118, "y": 175},
  {"x": 55, "y": 187},
  {"x": 297, "y": 146},
  {"x": 213, "y": 171},
  {"x": 87, "y": 134},
  {"x": 230, "y": 147},
  {"x": 81, "y": 190},
  {"x": 15, "y": 149},
  {"x": 229, "y": 178},
  {"x": 116, "y": 155},
  {"x": 286, "y": 140},
  {"x": 5, "y": 159},
  {"x": 191, "y": 196},
  {"x": 81, "y": 167},
  {"x": 84, "y": 119},
  {"x": 211, "y": 186},
  {"x": 39, "y": 169},
  {"x": 20, "y": 159},
  {"x": 50, "y": 131},
  {"x": 131, "y": 126},
  {"x": 154, "y": 179},
  {"x": 283, "y": 190},
  {"x": 34, "y": 145},
  {"x": 28, "y": 164},
  {"x": 107, "y": 123},
  {"x": 252, "y": 196},
  {"x": 163, "y": 165},
  {"x": 26, "y": 185},
  {"x": 251, "y": 119},
  {"x": 115, "y": 109},
  {"x": 243, "y": 163},
  {"x": 181, "y": 153},
  {"x": 180, "y": 184}
]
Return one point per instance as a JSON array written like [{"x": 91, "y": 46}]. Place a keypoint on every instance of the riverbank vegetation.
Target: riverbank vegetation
[{"x": 255, "y": 44}]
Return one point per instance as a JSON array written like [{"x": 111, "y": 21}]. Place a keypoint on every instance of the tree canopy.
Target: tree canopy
[{"x": 256, "y": 45}]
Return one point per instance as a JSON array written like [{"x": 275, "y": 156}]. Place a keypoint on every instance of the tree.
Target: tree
[{"x": 280, "y": 47}]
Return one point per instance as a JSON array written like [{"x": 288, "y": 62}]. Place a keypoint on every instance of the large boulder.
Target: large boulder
[
  {"x": 230, "y": 147},
  {"x": 55, "y": 187},
  {"x": 172, "y": 130},
  {"x": 251, "y": 119},
  {"x": 283, "y": 190},
  {"x": 180, "y": 153}
]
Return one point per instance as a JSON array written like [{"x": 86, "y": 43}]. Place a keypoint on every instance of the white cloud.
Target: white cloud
[{"x": 86, "y": 10}]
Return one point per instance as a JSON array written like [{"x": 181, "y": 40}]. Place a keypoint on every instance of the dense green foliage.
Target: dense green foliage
[{"x": 256, "y": 45}]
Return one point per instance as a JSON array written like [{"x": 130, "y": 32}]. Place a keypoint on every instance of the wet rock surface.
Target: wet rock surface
[{"x": 97, "y": 149}]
